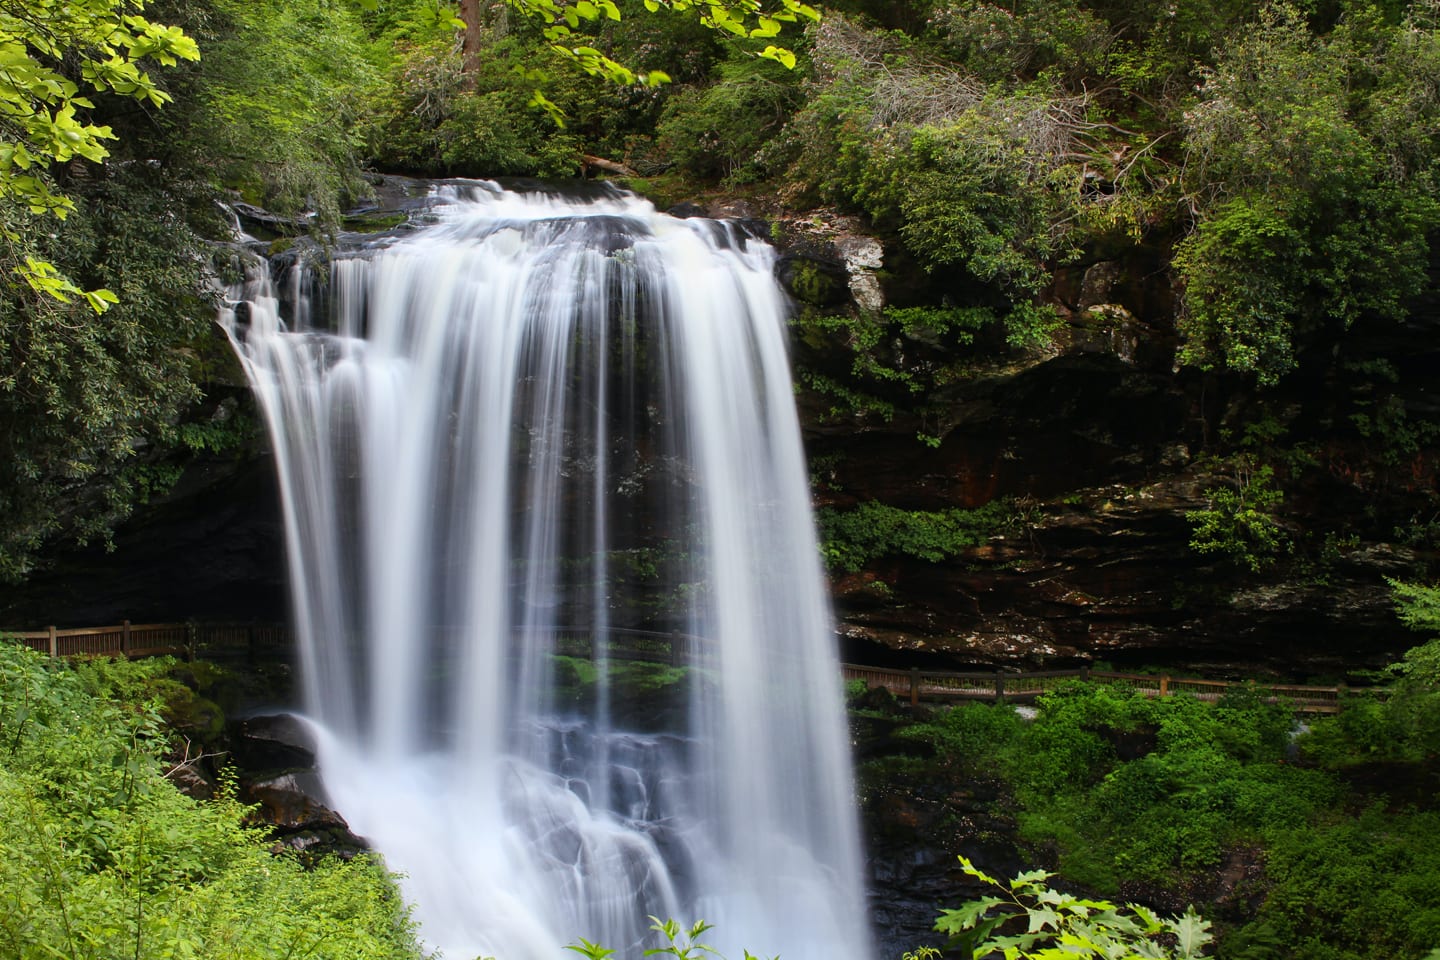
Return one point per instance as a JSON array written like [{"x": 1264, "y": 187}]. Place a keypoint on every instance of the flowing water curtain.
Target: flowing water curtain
[{"x": 500, "y": 418}]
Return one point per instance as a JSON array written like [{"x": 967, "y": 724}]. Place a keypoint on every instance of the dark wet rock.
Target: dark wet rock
[
  {"x": 253, "y": 217},
  {"x": 916, "y": 824},
  {"x": 731, "y": 210},
  {"x": 814, "y": 281},
  {"x": 686, "y": 210},
  {"x": 273, "y": 742},
  {"x": 293, "y": 801},
  {"x": 297, "y": 810},
  {"x": 275, "y": 755}
]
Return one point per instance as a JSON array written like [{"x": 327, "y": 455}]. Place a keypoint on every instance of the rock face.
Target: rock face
[
  {"x": 916, "y": 826},
  {"x": 1106, "y": 450},
  {"x": 211, "y": 548},
  {"x": 275, "y": 754}
]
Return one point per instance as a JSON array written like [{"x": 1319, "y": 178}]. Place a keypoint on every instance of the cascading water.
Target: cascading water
[{"x": 519, "y": 448}]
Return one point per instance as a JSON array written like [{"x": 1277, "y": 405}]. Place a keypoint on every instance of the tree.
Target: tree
[
  {"x": 1307, "y": 165},
  {"x": 52, "y": 54}
]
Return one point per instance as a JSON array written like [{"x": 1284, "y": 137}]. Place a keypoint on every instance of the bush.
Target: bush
[
  {"x": 105, "y": 858},
  {"x": 1366, "y": 887},
  {"x": 719, "y": 131},
  {"x": 852, "y": 538},
  {"x": 976, "y": 738}
]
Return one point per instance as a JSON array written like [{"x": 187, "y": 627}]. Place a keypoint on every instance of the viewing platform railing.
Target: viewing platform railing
[
  {"x": 913, "y": 686},
  {"x": 918, "y": 685}
]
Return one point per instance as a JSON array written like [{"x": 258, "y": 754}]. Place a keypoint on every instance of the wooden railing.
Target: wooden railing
[
  {"x": 913, "y": 686},
  {"x": 128, "y": 639},
  {"x": 917, "y": 685}
]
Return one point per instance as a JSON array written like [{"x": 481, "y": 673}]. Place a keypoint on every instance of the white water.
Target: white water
[{"x": 536, "y": 419}]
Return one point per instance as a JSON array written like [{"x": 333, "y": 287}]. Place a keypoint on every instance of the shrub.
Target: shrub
[
  {"x": 852, "y": 538},
  {"x": 105, "y": 858}
]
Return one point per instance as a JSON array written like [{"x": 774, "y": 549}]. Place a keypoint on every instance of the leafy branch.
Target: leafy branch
[{"x": 1059, "y": 926}]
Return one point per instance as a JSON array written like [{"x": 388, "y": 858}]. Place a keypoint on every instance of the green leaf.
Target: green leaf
[
  {"x": 975, "y": 872},
  {"x": 964, "y": 917},
  {"x": 1029, "y": 878},
  {"x": 1192, "y": 933},
  {"x": 779, "y": 55}
]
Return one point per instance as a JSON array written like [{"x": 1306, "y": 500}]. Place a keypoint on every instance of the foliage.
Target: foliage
[
  {"x": 882, "y": 354},
  {"x": 1124, "y": 791},
  {"x": 54, "y": 55},
  {"x": 719, "y": 131},
  {"x": 434, "y": 120},
  {"x": 967, "y": 176},
  {"x": 1418, "y": 606},
  {"x": 562, "y": 23},
  {"x": 1302, "y": 185},
  {"x": 1400, "y": 725},
  {"x": 93, "y": 413},
  {"x": 105, "y": 858},
  {"x": 976, "y": 738},
  {"x": 852, "y": 538},
  {"x": 84, "y": 404},
  {"x": 1353, "y": 888},
  {"x": 274, "y": 109},
  {"x": 1239, "y": 523},
  {"x": 1059, "y": 925}
]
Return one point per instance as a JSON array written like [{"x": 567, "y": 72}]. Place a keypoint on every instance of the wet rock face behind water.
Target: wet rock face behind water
[{"x": 1105, "y": 446}]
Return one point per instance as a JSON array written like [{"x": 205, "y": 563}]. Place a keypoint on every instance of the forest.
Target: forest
[{"x": 1114, "y": 335}]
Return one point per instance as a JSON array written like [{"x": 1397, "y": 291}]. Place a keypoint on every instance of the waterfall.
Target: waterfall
[{"x": 561, "y": 615}]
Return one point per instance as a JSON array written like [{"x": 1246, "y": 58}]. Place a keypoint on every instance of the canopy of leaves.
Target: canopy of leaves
[
  {"x": 53, "y": 56},
  {"x": 1308, "y": 167}
]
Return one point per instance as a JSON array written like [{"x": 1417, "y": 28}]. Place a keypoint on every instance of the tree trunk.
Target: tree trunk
[
  {"x": 485, "y": 20},
  {"x": 472, "y": 12}
]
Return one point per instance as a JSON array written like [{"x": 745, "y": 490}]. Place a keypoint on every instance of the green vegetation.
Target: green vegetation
[
  {"x": 852, "y": 538},
  {"x": 55, "y": 56},
  {"x": 905, "y": 357},
  {"x": 1060, "y": 925},
  {"x": 1160, "y": 797},
  {"x": 105, "y": 858},
  {"x": 1239, "y": 524}
]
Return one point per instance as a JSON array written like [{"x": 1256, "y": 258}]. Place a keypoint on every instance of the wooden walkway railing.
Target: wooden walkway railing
[
  {"x": 128, "y": 639},
  {"x": 934, "y": 685},
  {"x": 914, "y": 686}
]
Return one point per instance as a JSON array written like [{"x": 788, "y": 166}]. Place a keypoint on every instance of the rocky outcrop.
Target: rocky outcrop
[
  {"x": 275, "y": 755},
  {"x": 1105, "y": 448}
]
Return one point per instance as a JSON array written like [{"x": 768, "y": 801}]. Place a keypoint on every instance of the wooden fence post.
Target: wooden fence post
[
  {"x": 125, "y": 638},
  {"x": 54, "y": 643},
  {"x": 999, "y": 687},
  {"x": 192, "y": 631},
  {"x": 1165, "y": 685},
  {"x": 914, "y": 686},
  {"x": 1084, "y": 672}
]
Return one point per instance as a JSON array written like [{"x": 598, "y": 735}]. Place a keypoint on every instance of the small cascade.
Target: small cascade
[{"x": 562, "y": 620}]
